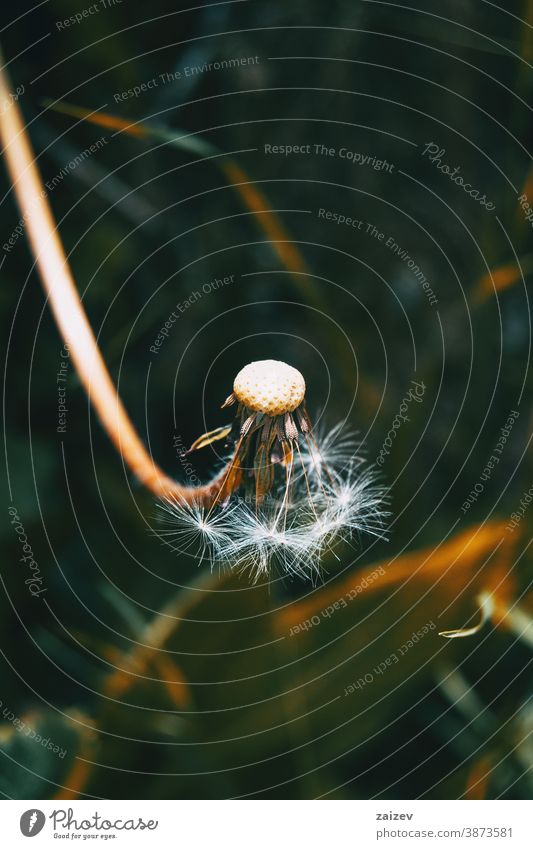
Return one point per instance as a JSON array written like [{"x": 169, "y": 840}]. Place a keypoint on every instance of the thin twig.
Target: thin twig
[{"x": 68, "y": 310}]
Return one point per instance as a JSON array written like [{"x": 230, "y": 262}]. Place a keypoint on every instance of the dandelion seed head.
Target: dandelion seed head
[{"x": 287, "y": 496}]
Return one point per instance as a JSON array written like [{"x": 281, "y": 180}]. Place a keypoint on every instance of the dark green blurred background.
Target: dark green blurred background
[{"x": 145, "y": 224}]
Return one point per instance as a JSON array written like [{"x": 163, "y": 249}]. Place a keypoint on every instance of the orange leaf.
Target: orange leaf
[{"x": 456, "y": 562}]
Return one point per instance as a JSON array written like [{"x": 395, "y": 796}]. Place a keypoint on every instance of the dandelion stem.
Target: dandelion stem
[{"x": 67, "y": 307}]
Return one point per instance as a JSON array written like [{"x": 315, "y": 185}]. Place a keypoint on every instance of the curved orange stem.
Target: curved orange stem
[{"x": 67, "y": 307}]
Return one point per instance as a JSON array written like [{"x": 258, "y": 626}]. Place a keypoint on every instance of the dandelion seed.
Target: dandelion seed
[
  {"x": 192, "y": 528},
  {"x": 356, "y": 503},
  {"x": 286, "y": 495}
]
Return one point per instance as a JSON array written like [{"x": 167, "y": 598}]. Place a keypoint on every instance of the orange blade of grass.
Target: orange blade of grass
[
  {"x": 174, "y": 681},
  {"x": 271, "y": 225},
  {"x": 478, "y": 778},
  {"x": 80, "y": 772},
  {"x": 455, "y": 561},
  {"x": 501, "y": 278},
  {"x": 102, "y": 119},
  {"x": 132, "y": 669}
]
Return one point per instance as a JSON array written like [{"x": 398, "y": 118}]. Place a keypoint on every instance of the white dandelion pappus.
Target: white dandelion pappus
[
  {"x": 194, "y": 529},
  {"x": 334, "y": 450},
  {"x": 356, "y": 503},
  {"x": 264, "y": 541}
]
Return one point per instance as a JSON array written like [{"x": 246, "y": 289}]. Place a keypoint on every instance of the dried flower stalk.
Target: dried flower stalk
[{"x": 68, "y": 310}]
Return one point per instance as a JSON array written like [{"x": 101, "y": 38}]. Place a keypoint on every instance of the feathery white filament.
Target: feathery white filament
[{"x": 321, "y": 511}]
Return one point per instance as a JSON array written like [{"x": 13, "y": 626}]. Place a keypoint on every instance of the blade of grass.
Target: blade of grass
[
  {"x": 456, "y": 560},
  {"x": 501, "y": 278},
  {"x": 80, "y": 772},
  {"x": 477, "y": 782}
]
